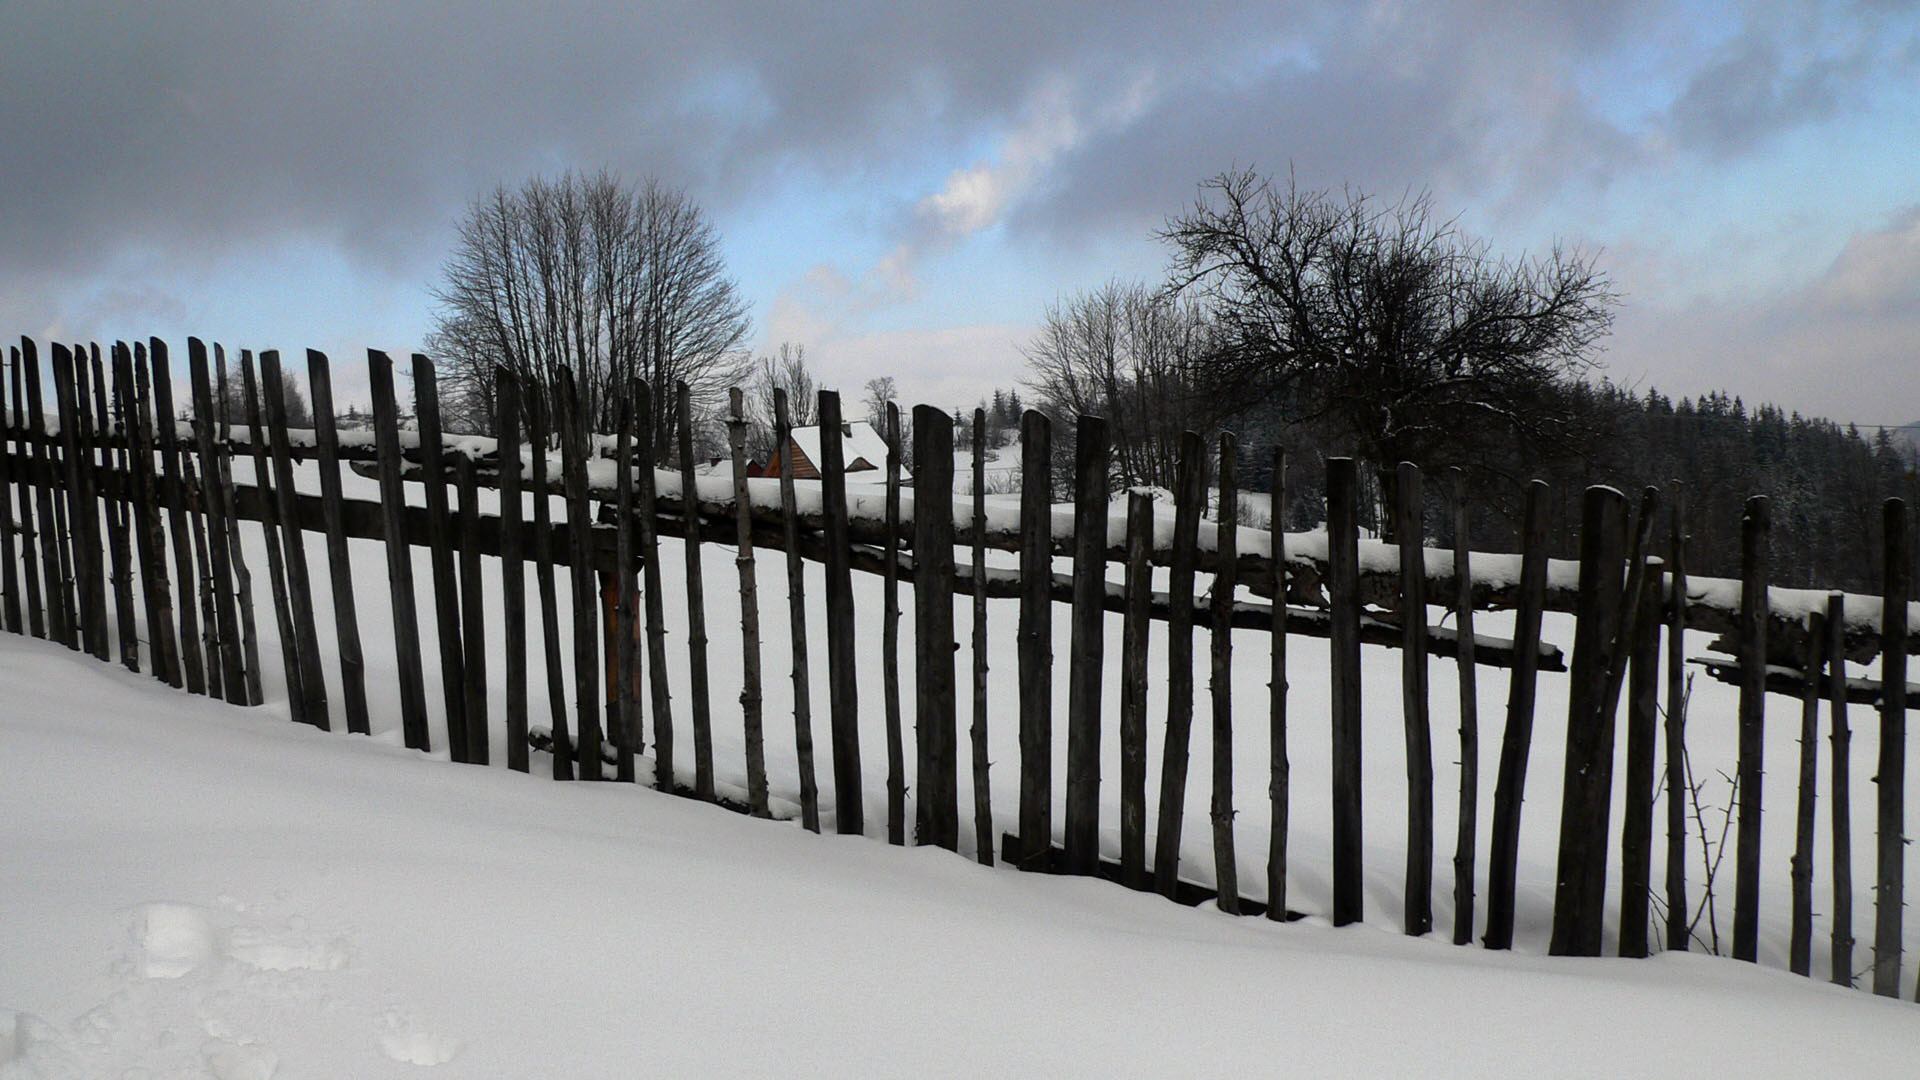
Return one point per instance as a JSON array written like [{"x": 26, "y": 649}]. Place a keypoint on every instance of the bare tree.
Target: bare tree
[
  {"x": 1133, "y": 355},
  {"x": 1406, "y": 338},
  {"x": 785, "y": 370},
  {"x": 878, "y": 392},
  {"x": 613, "y": 280}
]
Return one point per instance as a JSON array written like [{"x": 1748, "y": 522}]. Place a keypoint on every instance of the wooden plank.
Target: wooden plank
[
  {"x": 890, "y": 639},
  {"x": 203, "y": 563},
  {"x": 842, "y": 688},
  {"x": 1578, "y": 906},
  {"x": 1085, "y": 667},
  {"x": 1409, "y": 537},
  {"x": 242, "y": 577},
  {"x": 1800, "y": 942},
  {"x": 1343, "y": 600},
  {"x": 1036, "y": 641},
  {"x": 752, "y": 721},
  {"x": 75, "y": 454},
  {"x": 45, "y": 494},
  {"x": 656, "y": 605},
  {"x": 96, "y": 435},
  {"x": 446, "y": 595},
  {"x": 32, "y": 535},
  {"x": 1503, "y": 852},
  {"x": 93, "y": 446},
  {"x": 696, "y": 609},
  {"x": 1754, "y": 527},
  {"x": 513, "y": 570},
  {"x": 1225, "y": 868},
  {"x": 935, "y": 723},
  {"x": 982, "y": 797},
  {"x": 1840, "y": 958},
  {"x": 1279, "y": 797},
  {"x": 1467, "y": 819},
  {"x": 1676, "y": 723},
  {"x": 626, "y": 686},
  {"x": 346, "y": 617},
  {"x": 119, "y": 544},
  {"x": 1636, "y": 833},
  {"x": 406, "y": 620},
  {"x": 574, "y": 447},
  {"x": 271, "y": 522},
  {"x": 293, "y": 539},
  {"x": 539, "y": 424},
  {"x": 797, "y": 615},
  {"x": 1891, "y": 776},
  {"x": 473, "y": 617},
  {"x": 160, "y": 626},
  {"x": 1136, "y": 627},
  {"x": 1189, "y": 498},
  {"x": 192, "y": 652},
  {"x": 10, "y": 595},
  {"x": 219, "y": 511}
]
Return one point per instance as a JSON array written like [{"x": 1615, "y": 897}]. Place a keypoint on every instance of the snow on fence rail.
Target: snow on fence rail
[{"x": 97, "y": 485}]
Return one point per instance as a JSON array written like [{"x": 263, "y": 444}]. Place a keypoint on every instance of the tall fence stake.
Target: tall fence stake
[
  {"x": 1343, "y": 598},
  {"x": 797, "y": 616},
  {"x": 937, "y": 808},
  {"x": 393, "y": 514},
  {"x": 1891, "y": 776},
  {"x": 1754, "y": 614},
  {"x": 1189, "y": 502},
  {"x": 843, "y": 700},
  {"x": 1225, "y": 582},
  {"x": 1503, "y": 855},
  {"x": 753, "y": 725},
  {"x": 1036, "y": 642}
]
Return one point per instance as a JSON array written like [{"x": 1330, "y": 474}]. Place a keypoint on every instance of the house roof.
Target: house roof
[{"x": 858, "y": 442}]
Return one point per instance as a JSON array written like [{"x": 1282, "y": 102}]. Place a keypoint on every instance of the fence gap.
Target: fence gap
[
  {"x": 1516, "y": 744},
  {"x": 752, "y": 721},
  {"x": 842, "y": 689},
  {"x": 393, "y": 514},
  {"x": 937, "y": 817},
  {"x": 1189, "y": 497},
  {"x": 346, "y": 616},
  {"x": 797, "y": 615},
  {"x": 1036, "y": 642},
  {"x": 1085, "y": 667},
  {"x": 1225, "y": 581},
  {"x": 982, "y": 800}
]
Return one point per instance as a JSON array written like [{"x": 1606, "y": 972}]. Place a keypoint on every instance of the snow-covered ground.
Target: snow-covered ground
[
  {"x": 196, "y": 890},
  {"x": 193, "y": 890}
]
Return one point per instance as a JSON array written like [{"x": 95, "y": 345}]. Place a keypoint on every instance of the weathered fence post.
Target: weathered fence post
[
  {"x": 797, "y": 618},
  {"x": 271, "y": 524},
  {"x": 1891, "y": 775},
  {"x": 234, "y": 666},
  {"x": 1225, "y": 582},
  {"x": 753, "y": 725},
  {"x": 624, "y": 683},
  {"x": 513, "y": 571},
  {"x": 1085, "y": 666},
  {"x": 1800, "y": 946},
  {"x": 9, "y": 567},
  {"x": 696, "y": 602},
  {"x": 293, "y": 539},
  {"x": 1343, "y": 602},
  {"x": 1278, "y": 795},
  {"x": 242, "y": 577},
  {"x": 890, "y": 639},
  {"x": 346, "y": 617},
  {"x": 1468, "y": 824},
  {"x": 1409, "y": 537},
  {"x": 1135, "y": 628},
  {"x": 393, "y": 513},
  {"x": 1676, "y": 726},
  {"x": 168, "y": 427},
  {"x": 1036, "y": 642},
  {"x": 658, "y": 691},
  {"x": 576, "y": 442},
  {"x": 446, "y": 595},
  {"x": 540, "y": 422},
  {"x": 1841, "y": 814},
  {"x": 1503, "y": 854},
  {"x": 113, "y": 454},
  {"x": 1189, "y": 501},
  {"x": 982, "y": 803},
  {"x": 76, "y": 454},
  {"x": 937, "y": 814},
  {"x": 843, "y": 702},
  {"x": 1643, "y": 705},
  {"x": 52, "y": 551},
  {"x": 473, "y": 615},
  {"x": 1754, "y": 526},
  {"x": 1579, "y": 892},
  {"x": 32, "y": 538}
]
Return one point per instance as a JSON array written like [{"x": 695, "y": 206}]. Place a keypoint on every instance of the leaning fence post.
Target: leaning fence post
[
  {"x": 1085, "y": 668},
  {"x": 1753, "y": 702},
  {"x": 1189, "y": 502},
  {"x": 937, "y": 809},
  {"x": 393, "y": 513},
  {"x": 346, "y": 617},
  {"x": 1892, "y": 773},
  {"x": 1503, "y": 853},
  {"x": 293, "y": 539},
  {"x": 1343, "y": 602},
  {"x": 270, "y": 526},
  {"x": 446, "y": 590},
  {"x": 1036, "y": 642}
]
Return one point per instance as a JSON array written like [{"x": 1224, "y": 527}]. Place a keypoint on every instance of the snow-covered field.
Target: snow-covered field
[{"x": 192, "y": 889}]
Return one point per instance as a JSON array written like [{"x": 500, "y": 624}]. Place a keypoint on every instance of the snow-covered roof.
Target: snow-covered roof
[{"x": 858, "y": 442}]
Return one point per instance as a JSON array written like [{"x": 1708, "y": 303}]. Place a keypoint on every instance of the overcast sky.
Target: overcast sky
[{"x": 904, "y": 189}]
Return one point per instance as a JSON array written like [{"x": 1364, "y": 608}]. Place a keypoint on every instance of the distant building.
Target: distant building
[{"x": 861, "y": 448}]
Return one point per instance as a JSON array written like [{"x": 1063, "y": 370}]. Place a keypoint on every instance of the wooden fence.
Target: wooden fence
[{"x": 111, "y": 502}]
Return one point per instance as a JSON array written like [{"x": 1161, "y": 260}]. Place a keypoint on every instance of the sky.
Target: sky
[{"x": 904, "y": 189}]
